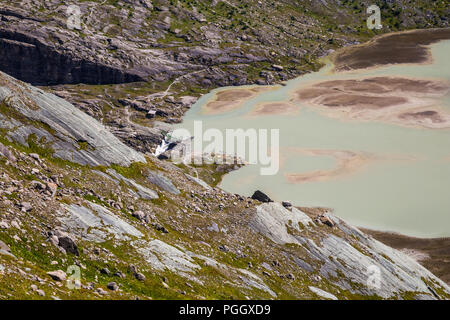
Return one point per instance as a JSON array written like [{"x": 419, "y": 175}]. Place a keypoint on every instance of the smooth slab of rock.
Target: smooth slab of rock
[
  {"x": 163, "y": 182},
  {"x": 142, "y": 192},
  {"x": 323, "y": 294},
  {"x": 271, "y": 219},
  {"x": 69, "y": 126},
  {"x": 199, "y": 181},
  {"x": 161, "y": 256},
  {"x": 96, "y": 223},
  {"x": 346, "y": 260}
]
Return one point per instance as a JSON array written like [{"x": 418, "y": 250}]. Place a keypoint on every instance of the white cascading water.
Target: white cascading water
[{"x": 161, "y": 148}]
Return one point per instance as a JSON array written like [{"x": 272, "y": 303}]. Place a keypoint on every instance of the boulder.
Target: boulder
[
  {"x": 5, "y": 152},
  {"x": 326, "y": 221},
  {"x": 68, "y": 244},
  {"x": 260, "y": 196},
  {"x": 286, "y": 204},
  {"x": 4, "y": 246},
  {"x": 163, "y": 182},
  {"x": 112, "y": 286},
  {"x": 57, "y": 275}
]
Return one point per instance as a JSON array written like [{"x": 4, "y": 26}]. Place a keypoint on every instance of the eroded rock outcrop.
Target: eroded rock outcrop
[
  {"x": 69, "y": 132},
  {"x": 347, "y": 258}
]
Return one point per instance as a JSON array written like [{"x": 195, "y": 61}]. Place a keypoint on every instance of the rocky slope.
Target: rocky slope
[
  {"x": 135, "y": 226},
  {"x": 178, "y": 49}
]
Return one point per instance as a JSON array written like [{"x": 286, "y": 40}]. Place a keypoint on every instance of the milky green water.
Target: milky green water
[{"x": 407, "y": 192}]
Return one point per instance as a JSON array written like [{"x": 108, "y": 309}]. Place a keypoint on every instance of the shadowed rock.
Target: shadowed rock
[{"x": 261, "y": 196}]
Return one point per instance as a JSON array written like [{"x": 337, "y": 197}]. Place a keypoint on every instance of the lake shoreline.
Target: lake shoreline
[
  {"x": 432, "y": 253},
  {"x": 407, "y": 47},
  {"x": 247, "y": 107}
]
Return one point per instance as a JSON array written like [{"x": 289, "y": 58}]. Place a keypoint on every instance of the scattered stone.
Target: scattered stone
[
  {"x": 35, "y": 156},
  {"x": 40, "y": 292},
  {"x": 15, "y": 224},
  {"x": 151, "y": 114},
  {"x": 323, "y": 294},
  {"x": 26, "y": 206},
  {"x": 290, "y": 276},
  {"x": 4, "y": 225},
  {"x": 140, "y": 215},
  {"x": 57, "y": 275},
  {"x": 4, "y": 246},
  {"x": 223, "y": 248},
  {"x": 37, "y": 185},
  {"x": 277, "y": 67},
  {"x": 286, "y": 204},
  {"x": 214, "y": 227},
  {"x": 119, "y": 274},
  {"x": 105, "y": 271},
  {"x": 161, "y": 228},
  {"x": 112, "y": 286},
  {"x": 139, "y": 276},
  {"x": 326, "y": 221},
  {"x": 101, "y": 291}
]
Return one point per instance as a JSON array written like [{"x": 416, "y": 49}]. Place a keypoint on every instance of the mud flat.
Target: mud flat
[
  {"x": 346, "y": 163},
  {"x": 399, "y": 100},
  {"x": 275, "y": 108},
  {"x": 394, "y": 48},
  {"x": 230, "y": 99}
]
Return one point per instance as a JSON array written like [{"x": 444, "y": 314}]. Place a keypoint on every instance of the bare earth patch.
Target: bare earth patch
[
  {"x": 395, "y": 48},
  {"x": 403, "y": 101},
  {"x": 275, "y": 108},
  {"x": 347, "y": 162},
  {"x": 232, "y": 99}
]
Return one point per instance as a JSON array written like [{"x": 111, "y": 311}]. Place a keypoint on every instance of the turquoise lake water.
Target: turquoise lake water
[{"x": 406, "y": 188}]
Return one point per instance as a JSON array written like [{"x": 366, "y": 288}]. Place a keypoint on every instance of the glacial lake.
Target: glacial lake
[{"x": 374, "y": 174}]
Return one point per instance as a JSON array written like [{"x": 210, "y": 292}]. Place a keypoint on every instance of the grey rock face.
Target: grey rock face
[
  {"x": 57, "y": 275},
  {"x": 5, "y": 152},
  {"x": 161, "y": 256},
  {"x": 97, "y": 224},
  {"x": 42, "y": 64},
  {"x": 322, "y": 293},
  {"x": 70, "y": 127},
  {"x": 272, "y": 218},
  {"x": 199, "y": 181},
  {"x": 163, "y": 182},
  {"x": 4, "y": 246},
  {"x": 142, "y": 192},
  {"x": 347, "y": 260}
]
